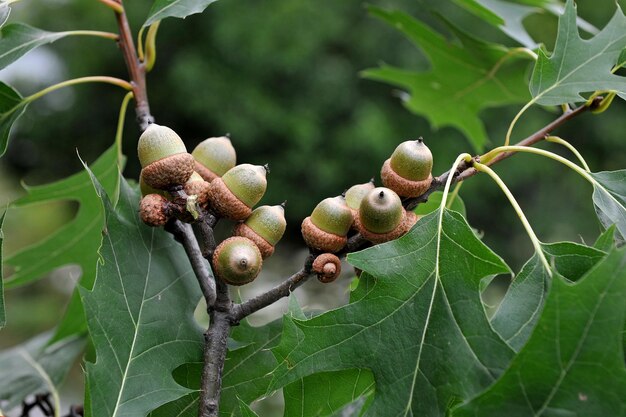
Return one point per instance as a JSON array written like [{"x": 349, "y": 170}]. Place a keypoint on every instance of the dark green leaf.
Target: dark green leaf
[
  {"x": 521, "y": 307},
  {"x": 326, "y": 393},
  {"x": 572, "y": 365},
  {"x": 162, "y": 9},
  {"x": 606, "y": 241},
  {"x": 577, "y": 66},
  {"x": 17, "y": 39},
  {"x": 463, "y": 79},
  {"x": 36, "y": 367},
  {"x": 354, "y": 409},
  {"x": 75, "y": 243},
  {"x": 245, "y": 410},
  {"x": 3, "y": 317},
  {"x": 609, "y": 198},
  {"x": 416, "y": 321},
  {"x": 11, "y": 108},
  {"x": 139, "y": 314},
  {"x": 434, "y": 201}
]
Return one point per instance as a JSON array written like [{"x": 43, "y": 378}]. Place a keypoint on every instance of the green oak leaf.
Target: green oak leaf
[
  {"x": 434, "y": 201},
  {"x": 139, "y": 314},
  {"x": 35, "y": 367},
  {"x": 5, "y": 11},
  {"x": 572, "y": 365},
  {"x": 606, "y": 241},
  {"x": 504, "y": 15},
  {"x": 609, "y": 198},
  {"x": 12, "y": 106},
  {"x": 416, "y": 321},
  {"x": 162, "y": 9},
  {"x": 521, "y": 307},
  {"x": 245, "y": 410},
  {"x": 463, "y": 80},
  {"x": 327, "y": 393},
  {"x": 579, "y": 65},
  {"x": 75, "y": 243},
  {"x": 17, "y": 39},
  {"x": 3, "y": 317}
]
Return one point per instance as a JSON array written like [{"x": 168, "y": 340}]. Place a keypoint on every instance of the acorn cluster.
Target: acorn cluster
[
  {"x": 376, "y": 213},
  {"x": 211, "y": 182}
]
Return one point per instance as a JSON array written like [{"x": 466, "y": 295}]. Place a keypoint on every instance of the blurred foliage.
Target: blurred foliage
[{"x": 282, "y": 76}]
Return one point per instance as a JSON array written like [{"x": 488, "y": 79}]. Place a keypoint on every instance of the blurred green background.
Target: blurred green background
[{"x": 282, "y": 77}]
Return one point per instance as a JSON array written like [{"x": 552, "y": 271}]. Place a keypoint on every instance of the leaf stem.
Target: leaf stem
[
  {"x": 96, "y": 33},
  {"x": 117, "y": 7},
  {"x": 151, "y": 45},
  {"x": 561, "y": 141},
  {"x": 454, "y": 194},
  {"x": 507, "y": 140},
  {"x": 511, "y": 53},
  {"x": 94, "y": 79},
  {"x": 120, "y": 126},
  {"x": 520, "y": 213},
  {"x": 464, "y": 157}
]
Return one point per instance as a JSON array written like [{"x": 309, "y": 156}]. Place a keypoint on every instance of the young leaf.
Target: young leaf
[
  {"x": 577, "y": 66},
  {"x": 12, "y": 106},
  {"x": 572, "y": 364},
  {"x": 417, "y": 323},
  {"x": 3, "y": 318},
  {"x": 609, "y": 198},
  {"x": 521, "y": 307},
  {"x": 463, "y": 79},
  {"x": 17, "y": 39},
  {"x": 139, "y": 314},
  {"x": 162, "y": 9},
  {"x": 35, "y": 367}
]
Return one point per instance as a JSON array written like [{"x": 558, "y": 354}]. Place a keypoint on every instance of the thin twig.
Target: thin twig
[
  {"x": 135, "y": 69},
  {"x": 183, "y": 233},
  {"x": 240, "y": 311}
]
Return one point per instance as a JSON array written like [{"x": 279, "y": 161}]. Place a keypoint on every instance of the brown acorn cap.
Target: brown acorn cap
[
  {"x": 318, "y": 239},
  {"x": 237, "y": 261},
  {"x": 403, "y": 186},
  {"x": 225, "y": 203},
  {"x": 169, "y": 171},
  {"x": 197, "y": 186},
  {"x": 242, "y": 229},
  {"x": 376, "y": 238},
  {"x": 411, "y": 219},
  {"x": 327, "y": 267},
  {"x": 153, "y": 210},
  {"x": 204, "y": 172}
]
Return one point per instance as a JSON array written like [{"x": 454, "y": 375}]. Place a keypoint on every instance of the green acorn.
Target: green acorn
[
  {"x": 356, "y": 193},
  {"x": 237, "y": 261},
  {"x": 265, "y": 227},
  {"x": 239, "y": 189},
  {"x": 214, "y": 156},
  {"x": 327, "y": 227},
  {"x": 381, "y": 216},
  {"x": 408, "y": 171},
  {"x": 164, "y": 159}
]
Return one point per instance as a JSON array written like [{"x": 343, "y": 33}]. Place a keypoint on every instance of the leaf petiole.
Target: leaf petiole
[
  {"x": 94, "y": 79},
  {"x": 561, "y": 141},
  {"x": 520, "y": 213},
  {"x": 507, "y": 140}
]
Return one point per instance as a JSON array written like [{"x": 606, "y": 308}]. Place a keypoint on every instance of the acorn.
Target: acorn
[
  {"x": 327, "y": 227},
  {"x": 327, "y": 267},
  {"x": 408, "y": 171},
  {"x": 155, "y": 210},
  {"x": 213, "y": 157},
  {"x": 381, "y": 216},
  {"x": 265, "y": 227},
  {"x": 239, "y": 189},
  {"x": 163, "y": 157},
  {"x": 237, "y": 261},
  {"x": 146, "y": 189},
  {"x": 196, "y": 185},
  {"x": 354, "y": 195}
]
